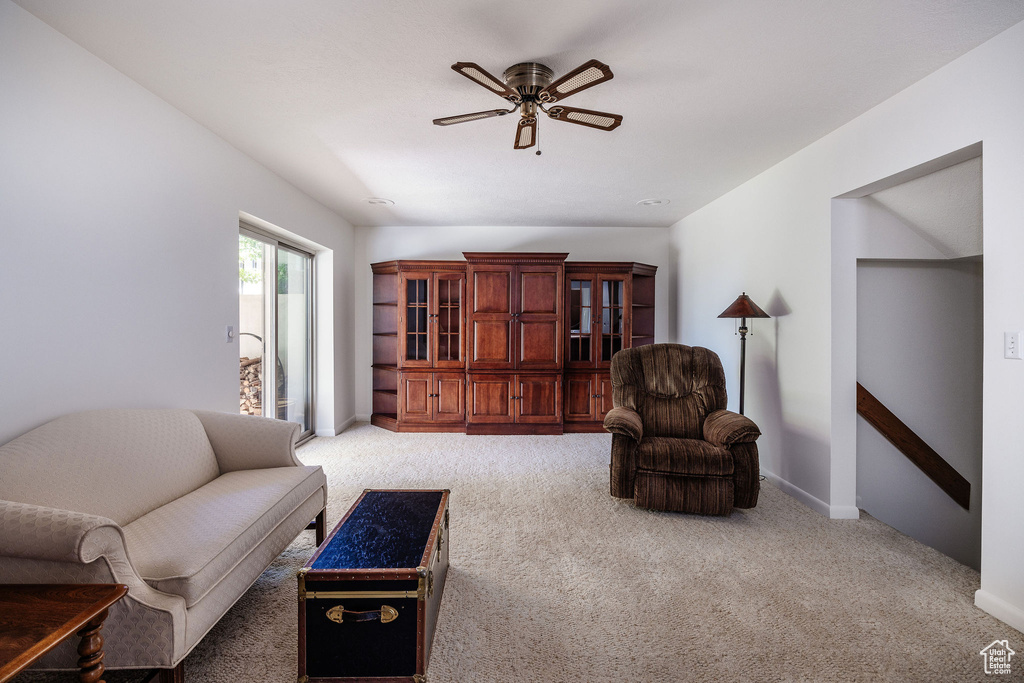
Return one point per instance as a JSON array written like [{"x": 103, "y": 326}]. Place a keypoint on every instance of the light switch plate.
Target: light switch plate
[
  {"x": 229, "y": 333},
  {"x": 1012, "y": 345}
]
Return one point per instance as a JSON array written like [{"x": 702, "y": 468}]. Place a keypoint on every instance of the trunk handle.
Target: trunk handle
[{"x": 339, "y": 614}]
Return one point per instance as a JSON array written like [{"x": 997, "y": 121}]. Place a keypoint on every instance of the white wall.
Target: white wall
[
  {"x": 646, "y": 245},
  {"x": 119, "y": 242},
  {"x": 772, "y": 237},
  {"x": 919, "y": 353}
]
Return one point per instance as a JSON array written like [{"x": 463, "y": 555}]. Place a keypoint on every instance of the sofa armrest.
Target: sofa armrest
[
  {"x": 624, "y": 421},
  {"x": 40, "y": 544},
  {"x": 724, "y": 428},
  {"x": 61, "y": 546},
  {"x": 245, "y": 442},
  {"x": 43, "y": 533}
]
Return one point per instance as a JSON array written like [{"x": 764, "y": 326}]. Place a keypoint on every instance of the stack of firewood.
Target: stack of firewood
[{"x": 250, "y": 374}]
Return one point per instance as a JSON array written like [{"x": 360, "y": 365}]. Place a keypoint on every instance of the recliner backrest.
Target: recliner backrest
[{"x": 673, "y": 387}]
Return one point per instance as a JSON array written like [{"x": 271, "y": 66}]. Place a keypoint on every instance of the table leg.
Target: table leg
[
  {"x": 90, "y": 651},
  {"x": 321, "y": 526}
]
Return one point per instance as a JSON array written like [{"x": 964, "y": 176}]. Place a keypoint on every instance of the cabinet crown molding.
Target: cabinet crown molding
[{"x": 514, "y": 257}]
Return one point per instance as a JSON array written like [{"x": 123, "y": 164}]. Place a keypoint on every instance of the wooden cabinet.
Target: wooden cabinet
[
  {"x": 430, "y": 319},
  {"x": 514, "y": 335},
  {"x": 597, "y": 325},
  {"x": 588, "y": 397},
  {"x": 432, "y": 397},
  {"x": 491, "y": 309},
  {"x": 503, "y": 403},
  {"x": 608, "y": 307},
  {"x": 418, "y": 325},
  {"x": 538, "y": 318},
  {"x": 503, "y": 342},
  {"x": 514, "y": 311}
]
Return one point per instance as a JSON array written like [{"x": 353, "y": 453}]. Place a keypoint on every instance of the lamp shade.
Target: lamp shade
[{"x": 743, "y": 307}]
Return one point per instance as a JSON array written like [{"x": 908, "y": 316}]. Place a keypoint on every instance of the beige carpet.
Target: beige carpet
[{"x": 553, "y": 580}]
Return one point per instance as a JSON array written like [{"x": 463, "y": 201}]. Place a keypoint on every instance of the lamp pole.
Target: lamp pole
[{"x": 743, "y": 359}]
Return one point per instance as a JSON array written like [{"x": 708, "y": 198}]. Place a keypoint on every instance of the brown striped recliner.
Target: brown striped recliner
[{"x": 674, "y": 446}]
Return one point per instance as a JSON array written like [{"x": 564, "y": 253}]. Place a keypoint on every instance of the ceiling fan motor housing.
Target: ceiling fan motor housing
[{"x": 528, "y": 79}]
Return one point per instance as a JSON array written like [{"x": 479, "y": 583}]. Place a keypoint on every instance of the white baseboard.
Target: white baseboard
[
  {"x": 1000, "y": 609},
  {"x": 843, "y": 512},
  {"x": 337, "y": 430},
  {"x": 819, "y": 506}
]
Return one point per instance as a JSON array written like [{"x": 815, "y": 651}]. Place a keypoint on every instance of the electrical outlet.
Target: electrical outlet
[{"x": 1012, "y": 345}]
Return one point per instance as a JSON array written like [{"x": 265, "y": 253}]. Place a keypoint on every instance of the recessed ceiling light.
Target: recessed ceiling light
[
  {"x": 380, "y": 201},
  {"x": 653, "y": 202}
]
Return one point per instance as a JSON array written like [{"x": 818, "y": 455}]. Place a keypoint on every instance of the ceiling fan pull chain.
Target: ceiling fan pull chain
[{"x": 538, "y": 139}]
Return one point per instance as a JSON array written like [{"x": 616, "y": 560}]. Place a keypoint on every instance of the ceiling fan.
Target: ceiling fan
[{"x": 528, "y": 87}]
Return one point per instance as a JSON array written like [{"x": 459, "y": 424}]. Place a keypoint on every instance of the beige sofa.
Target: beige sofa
[{"x": 185, "y": 507}]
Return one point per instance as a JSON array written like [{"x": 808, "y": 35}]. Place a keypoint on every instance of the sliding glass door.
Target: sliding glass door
[
  {"x": 275, "y": 288},
  {"x": 294, "y": 336}
]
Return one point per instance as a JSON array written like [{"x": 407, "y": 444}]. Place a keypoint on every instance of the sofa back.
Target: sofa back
[
  {"x": 118, "y": 464},
  {"x": 673, "y": 387}
]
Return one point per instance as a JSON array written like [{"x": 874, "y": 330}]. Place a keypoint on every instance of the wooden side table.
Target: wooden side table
[{"x": 34, "y": 618}]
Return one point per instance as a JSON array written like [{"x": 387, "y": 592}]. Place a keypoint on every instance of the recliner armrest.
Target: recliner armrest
[
  {"x": 247, "y": 442},
  {"x": 724, "y": 428},
  {"x": 625, "y": 421}
]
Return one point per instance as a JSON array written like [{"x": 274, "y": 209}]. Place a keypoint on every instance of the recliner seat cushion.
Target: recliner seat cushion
[
  {"x": 683, "y": 456},
  {"x": 189, "y": 545}
]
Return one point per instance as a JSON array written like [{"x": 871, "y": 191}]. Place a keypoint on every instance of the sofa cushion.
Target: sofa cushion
[
  {"x": 187, "y": 546},
  {"x": 118, "y": 464},
  {"x": 683, "y": 456}
]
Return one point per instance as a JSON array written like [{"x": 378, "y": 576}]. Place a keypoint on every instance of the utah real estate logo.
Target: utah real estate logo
[{"x": 997, "y": 657}]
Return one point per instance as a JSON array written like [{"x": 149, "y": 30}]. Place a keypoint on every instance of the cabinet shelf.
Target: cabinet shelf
[
  {"x": 385, "y": 334},
  {"x": 384, "y": 366},
  {"x": 385, "y": 303},
  {"x": 392, "y": 392}
]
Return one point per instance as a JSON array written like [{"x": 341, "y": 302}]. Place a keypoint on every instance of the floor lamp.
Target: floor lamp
[{"x": 743, "y": 308}]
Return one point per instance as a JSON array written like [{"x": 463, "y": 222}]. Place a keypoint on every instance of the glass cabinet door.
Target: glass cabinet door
[
  {"x": 612, "y": 320},
  {"x": 416, "y": 316},
  {"x": 448, "y": 319},
  {"x": 580, "y": 306}
]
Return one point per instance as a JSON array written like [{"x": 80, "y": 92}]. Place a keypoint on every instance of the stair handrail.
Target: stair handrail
[{"x": 914, "y": 447}]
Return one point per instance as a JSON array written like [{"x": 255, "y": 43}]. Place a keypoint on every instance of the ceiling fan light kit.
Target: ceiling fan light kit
[{"x": 528, "y": 88}]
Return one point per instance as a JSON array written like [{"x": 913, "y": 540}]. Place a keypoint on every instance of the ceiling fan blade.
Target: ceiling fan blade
[
  {"x": 476, "y": 73},
  {"x": 585, "y": 76},
  {"x": 585, "y": 117},
  {"x": 463, "y": 118},
  {"x": 526, "y": 132}
]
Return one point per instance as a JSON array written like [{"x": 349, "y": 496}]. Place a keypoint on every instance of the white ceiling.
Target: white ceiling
[
  {"x": 337, "y": 96},
  {"x": 944, "y": 208}
]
